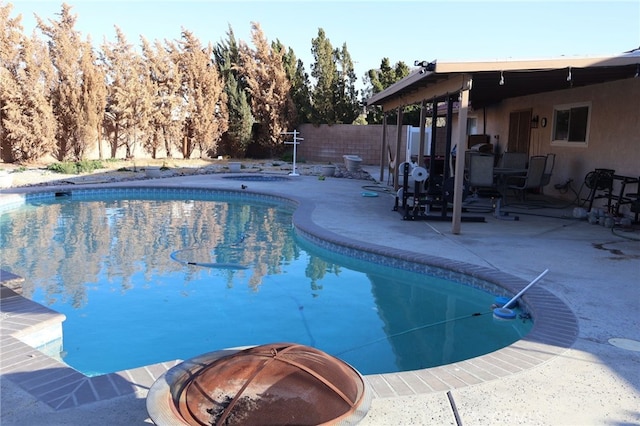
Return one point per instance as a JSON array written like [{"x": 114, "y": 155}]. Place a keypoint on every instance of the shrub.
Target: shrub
[{"x": 74, "y": 168}]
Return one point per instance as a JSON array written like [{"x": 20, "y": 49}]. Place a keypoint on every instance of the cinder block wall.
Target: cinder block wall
[
  {"x": 324, "y": 143},
  {"x": 321, "y": 144}
]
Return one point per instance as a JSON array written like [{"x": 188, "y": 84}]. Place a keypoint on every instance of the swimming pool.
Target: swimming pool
[{"x": 122, "y": 271}]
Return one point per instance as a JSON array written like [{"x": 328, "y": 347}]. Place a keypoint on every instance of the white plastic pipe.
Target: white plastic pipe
[{"x": 525, "y": 289}]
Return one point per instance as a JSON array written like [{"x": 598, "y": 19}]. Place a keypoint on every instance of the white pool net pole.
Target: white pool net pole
[{"x": 295, "y": 143}]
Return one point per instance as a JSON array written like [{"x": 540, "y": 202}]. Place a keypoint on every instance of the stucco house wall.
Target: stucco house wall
[{"x": 614, "y": 132}]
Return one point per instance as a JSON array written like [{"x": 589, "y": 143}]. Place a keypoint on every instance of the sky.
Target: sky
[{"x": 446, "y": 31}]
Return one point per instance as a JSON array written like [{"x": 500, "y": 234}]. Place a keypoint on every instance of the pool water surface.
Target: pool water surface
[{"x": 149, "y": 278}]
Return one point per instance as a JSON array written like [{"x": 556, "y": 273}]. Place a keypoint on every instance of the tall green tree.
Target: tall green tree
[
  {"x": 347, "y": 106},
  {"x": 334, "y": 96},
  {"x": 66, "y": 49},
  {"x": 168, "y": 111},
  {"x": 237, "y": 138},
  {"x": 324, "y": 71},
  {"x": 27, "y": 124},
  {"x": 383, "y": 77},
  {"x": 270, "y": 90},
  {"x": 207, "y": 115},
  {"x": 300, "y": 85},
  {"x": 377, "y": 80}
]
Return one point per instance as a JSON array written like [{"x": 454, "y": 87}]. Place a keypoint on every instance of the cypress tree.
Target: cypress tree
[
  {"x": 300, "y": 86},
  {"x": 207, "y": 115},
  {"x": 167, "y": 109},
  {"x": 270, "y": 89},
  {"x": 380, "y": 79},
  {"x": 128, "y": 110},
  {"x": 324, "y": 71},
  {"x": 334, "y": 97},
  {"x": 65, "y": 49},
  {"x": 93, "y": 102},
  {"x": 346, "y": 102},
  {"x": 27, "y": 124},
  {"x": 237, "y": 138}
]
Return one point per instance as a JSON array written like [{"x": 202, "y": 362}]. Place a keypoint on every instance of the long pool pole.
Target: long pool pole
[{"x": 525, "y": 289}]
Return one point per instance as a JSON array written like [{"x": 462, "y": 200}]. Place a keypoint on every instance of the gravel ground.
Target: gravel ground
[{"x": 116, "y": 171}]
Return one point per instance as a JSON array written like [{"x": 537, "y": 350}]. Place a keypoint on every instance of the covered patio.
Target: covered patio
[{"x": 450, "y": 91}]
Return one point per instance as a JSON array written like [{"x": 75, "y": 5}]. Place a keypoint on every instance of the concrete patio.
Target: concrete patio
[{"x": 593, "y": 270}]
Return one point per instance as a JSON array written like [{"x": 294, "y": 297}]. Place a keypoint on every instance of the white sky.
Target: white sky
[{"x": 399, "y": 30}]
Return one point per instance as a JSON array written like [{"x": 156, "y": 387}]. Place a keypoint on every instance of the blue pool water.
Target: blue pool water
[{"x": 151, "y": 278}]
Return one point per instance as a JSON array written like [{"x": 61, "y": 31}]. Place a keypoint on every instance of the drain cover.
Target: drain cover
[{"x": 631, "y": 345}]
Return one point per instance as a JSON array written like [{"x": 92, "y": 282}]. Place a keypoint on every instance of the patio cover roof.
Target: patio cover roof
[
  {"x": 481, "y": 84},
  {"x": 434, "y": 81}
]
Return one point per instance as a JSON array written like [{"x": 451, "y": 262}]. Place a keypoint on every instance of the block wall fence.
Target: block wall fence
[
  {"x": 324, "y": 143},
  {"x": 321, "y": 144}
]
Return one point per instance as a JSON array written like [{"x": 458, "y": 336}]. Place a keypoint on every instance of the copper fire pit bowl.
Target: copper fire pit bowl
[{"x": 274, "y": 384}]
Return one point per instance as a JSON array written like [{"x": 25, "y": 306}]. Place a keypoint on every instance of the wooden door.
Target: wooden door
[{"x": 519, "y": 131}]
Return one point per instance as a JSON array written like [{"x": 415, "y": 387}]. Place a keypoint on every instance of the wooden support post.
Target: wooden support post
[
  {"x": 398, "y": 143},
  {"x": 461, "y": 149}
]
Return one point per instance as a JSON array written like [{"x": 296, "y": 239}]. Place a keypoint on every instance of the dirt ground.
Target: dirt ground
[{"x": 12, "y": 175}]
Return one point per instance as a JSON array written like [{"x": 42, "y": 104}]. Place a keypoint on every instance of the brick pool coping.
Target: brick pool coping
[{"x": 61, "y": 387}]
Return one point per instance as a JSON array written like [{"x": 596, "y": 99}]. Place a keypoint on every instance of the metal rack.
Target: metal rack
[{"x": 418, "y": 201}]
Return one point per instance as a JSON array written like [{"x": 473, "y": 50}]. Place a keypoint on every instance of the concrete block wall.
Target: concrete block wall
[
  {"x": 321, "y": 144},
  {"x": 324, "y": 143}
]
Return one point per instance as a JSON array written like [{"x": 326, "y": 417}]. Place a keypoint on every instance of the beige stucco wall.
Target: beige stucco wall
[{"x": 614, "y": 133}]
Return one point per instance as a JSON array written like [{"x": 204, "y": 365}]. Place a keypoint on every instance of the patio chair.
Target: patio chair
[
  {"x": 533, "y": 178},
  {"x": 480, "y": 175},
  {"x": 548, "y": 171},
  {"x": 514, "y": 160}
]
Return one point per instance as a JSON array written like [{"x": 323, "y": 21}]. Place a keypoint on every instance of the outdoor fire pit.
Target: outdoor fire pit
[{"x": 274, "y": 384}]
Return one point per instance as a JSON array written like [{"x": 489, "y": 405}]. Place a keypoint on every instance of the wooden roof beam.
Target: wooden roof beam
[{"x": 438, "y": 89}]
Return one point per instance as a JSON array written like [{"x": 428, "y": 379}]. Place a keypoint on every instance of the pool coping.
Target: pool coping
[{"x": 61, "y": 387}]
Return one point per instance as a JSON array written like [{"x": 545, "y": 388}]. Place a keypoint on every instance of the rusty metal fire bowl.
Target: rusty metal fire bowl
[{"x": 273, "y": 384}]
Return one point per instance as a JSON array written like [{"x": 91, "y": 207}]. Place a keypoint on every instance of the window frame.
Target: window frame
[
  {"x": 554, "y": 123},
  {"x": 472, "y": 125}
]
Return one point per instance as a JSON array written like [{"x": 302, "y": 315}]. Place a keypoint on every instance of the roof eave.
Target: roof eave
[{"x": 444, "y": 69}]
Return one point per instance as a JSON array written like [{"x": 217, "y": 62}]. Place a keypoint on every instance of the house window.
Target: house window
[{"x": 571, "y": 124}]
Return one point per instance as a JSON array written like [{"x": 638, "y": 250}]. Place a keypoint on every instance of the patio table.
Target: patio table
[{"x": 501, "y": 175}]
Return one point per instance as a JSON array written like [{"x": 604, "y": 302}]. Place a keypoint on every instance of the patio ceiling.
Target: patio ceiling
[{"x": 435, "y": 80}]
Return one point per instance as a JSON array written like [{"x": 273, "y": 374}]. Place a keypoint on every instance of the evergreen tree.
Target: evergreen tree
[
  {"x": 128, "y": 111},
  {"x": 300, "y": 86},
  {"x": 207, "y": 115},
  {"x": 380, "y": 79},
  {"x": 334, "y": 97},
  {"x": 347, "y": 106},
  {"x": 237, "y": 138},
  {"x": 168, "y": 111},
  {"x": 27, "y": 124},
  {"x": 270, "y": 90},
  {"x": 93, "y": 102},
  {"x": 324, "y": 71},
  {"x": 66, "y": 51}
]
